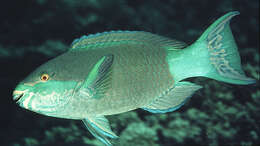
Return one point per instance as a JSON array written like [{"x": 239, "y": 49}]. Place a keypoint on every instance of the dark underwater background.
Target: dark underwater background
[{"x": 34, "y": 31}]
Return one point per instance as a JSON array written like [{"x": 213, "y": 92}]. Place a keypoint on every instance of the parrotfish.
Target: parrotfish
[{"x": 119, "y": 71}]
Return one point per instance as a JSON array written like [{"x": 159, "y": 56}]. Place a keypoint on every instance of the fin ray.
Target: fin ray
[
  {"x": 223, "y": 52},
  {"x": 114, "y": 37},
  {"x": 173, "y": 99},
  {"x": 98, "y": 80},
  {"x": 99, "y": 127}
]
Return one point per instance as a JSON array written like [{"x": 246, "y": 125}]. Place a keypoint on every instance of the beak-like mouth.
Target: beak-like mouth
[{"x": 17, "y": 95}]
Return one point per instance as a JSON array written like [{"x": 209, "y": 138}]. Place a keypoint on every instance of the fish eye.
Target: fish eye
[{"x": 45, "y": 77}]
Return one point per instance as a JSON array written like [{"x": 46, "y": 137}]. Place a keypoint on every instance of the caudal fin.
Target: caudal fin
[{"x": 222, "y": 52}]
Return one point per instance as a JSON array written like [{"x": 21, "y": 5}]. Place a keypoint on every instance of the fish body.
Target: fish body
[
  {"x": 119, "y": 71},
  {"x": 139, "y": 72}
]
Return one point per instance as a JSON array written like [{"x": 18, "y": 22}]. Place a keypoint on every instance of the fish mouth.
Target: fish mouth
[{"x": 17, "y": 95}]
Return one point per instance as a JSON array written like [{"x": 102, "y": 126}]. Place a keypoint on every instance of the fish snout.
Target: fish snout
[
  {"x": 19, "y": 92},
  {"x": 17, "y": 95}
]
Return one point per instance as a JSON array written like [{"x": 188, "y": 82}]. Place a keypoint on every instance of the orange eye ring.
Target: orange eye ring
[{"x": 45, "y": 77}]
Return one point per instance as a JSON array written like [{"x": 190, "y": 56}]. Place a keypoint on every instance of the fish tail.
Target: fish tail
[
  {"x": 223, "y": 56},
  {"x": 214, "y": 55}
]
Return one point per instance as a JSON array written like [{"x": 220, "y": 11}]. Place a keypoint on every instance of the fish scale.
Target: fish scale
[
  {"x": 139, "y": 74},
  {"x": 135, "y": 79}
]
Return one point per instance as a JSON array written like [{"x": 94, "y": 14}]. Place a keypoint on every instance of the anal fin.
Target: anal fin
[{"x": 173, "y": 99}]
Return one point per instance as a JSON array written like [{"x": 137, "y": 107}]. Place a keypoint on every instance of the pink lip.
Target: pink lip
[{"x": 17, "y": 95}]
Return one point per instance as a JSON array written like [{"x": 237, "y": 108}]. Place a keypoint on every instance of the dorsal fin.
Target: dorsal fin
[{"x": 118, "y": 37}]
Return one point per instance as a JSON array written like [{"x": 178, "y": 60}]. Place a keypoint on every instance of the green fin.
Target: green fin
[
  {"x": 98, "y": 79},
  {"x": 223, "y": 52},
  {"x": 118, "y": 37},
  {"x": 173, "y": 99},
  {"x": 99, "y": 127},
  {"x": 213, "y": 55}
]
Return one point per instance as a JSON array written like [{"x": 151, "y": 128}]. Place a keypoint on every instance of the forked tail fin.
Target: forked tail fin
[{"x": 222, "y": 53}]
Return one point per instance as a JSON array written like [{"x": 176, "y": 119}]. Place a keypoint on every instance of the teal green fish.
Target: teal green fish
[{"x": 115, "y": 72}]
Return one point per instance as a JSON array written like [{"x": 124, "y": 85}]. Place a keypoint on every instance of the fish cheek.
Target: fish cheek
[
  {"x": 52, "y": 96},
  {"x": 44, "y": 98},
  {"x": 41, "y": 103}
]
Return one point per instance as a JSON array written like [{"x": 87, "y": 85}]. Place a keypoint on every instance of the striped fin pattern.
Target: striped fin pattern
[
  {"x": 172, "y": 99},
  {"x": 223, "y": 50},
  {"x": 100, "y": 128},
  {"x": 119, "y": 37}
]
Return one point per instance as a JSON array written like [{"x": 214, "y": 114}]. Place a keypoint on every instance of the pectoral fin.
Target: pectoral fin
[
  {"x": 99, "y": 78},
  {"x": 174, "y": 99},
  {"x": 99, "y": 127}
]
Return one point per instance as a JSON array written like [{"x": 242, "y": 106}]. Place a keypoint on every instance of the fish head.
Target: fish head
[{"x": 44, "y": 92}]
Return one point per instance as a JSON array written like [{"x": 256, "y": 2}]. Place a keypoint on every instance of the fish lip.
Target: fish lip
[{"x": 17, "y": 95}]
